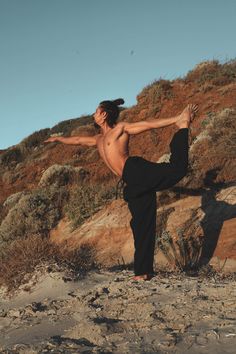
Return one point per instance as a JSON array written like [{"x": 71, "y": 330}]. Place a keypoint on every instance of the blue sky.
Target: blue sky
[{"x": 60, "y": 58}]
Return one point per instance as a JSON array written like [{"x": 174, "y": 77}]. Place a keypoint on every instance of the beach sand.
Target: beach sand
[{"x": 108, "y": 312}]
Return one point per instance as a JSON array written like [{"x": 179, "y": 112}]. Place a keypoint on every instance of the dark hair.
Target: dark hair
[{"x": 112, "y": 109}]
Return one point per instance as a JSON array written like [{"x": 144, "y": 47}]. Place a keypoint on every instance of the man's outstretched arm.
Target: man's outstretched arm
[
  {"x": 74, "y": 140},
  {"x": 139, "y": 127},
  {"x": 142, "y": 126}
]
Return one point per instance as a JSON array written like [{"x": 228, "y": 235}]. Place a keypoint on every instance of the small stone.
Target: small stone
[
  {"x": 51, "y": 312},
  {"x": 3, "y": 313},
  {"x": 106, "y": 290},
  {"x": 14, "y": 313}
]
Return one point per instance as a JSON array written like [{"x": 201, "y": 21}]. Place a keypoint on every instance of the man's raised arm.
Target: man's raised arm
[
  {"x": 142, "y": 126},
  {"x": 74, "y": 140}
]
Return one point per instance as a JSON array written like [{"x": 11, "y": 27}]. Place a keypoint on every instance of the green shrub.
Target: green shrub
[
  {"x": 34, "y": 213},
  {"x": 13, "y": 199},
  {"x": 61, "y": 175},
  {"x": 86, "y": 200}
]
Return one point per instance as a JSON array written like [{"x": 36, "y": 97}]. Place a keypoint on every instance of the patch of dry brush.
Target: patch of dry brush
[{"x": 23, "y": 256}]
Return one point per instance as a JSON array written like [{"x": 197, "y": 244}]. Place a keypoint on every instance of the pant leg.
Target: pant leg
[
  {"x": 142, "y": 176},
  {"x": 143, "y": 225},
  {"x": 143, "y": 179},
  {"x": 179, "y": 149},
  {"x": 169, "y": 174}
]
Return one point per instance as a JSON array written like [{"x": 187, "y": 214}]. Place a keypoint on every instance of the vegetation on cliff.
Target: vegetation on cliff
[{"x": 40, "y": 184}]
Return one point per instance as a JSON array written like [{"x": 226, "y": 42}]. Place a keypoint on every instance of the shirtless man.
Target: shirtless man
[{"x": 112, "y": 144}]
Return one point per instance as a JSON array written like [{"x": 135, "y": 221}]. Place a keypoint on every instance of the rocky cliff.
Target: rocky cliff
[{"x": 67, "y": 194}]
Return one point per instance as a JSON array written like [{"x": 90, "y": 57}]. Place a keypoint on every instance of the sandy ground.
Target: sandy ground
[{"x": 108, "y": 312}]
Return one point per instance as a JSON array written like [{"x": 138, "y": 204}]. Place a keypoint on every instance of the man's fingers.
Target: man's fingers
[
  {"x": 194, "y": 108},
  {"x": 49, "y": 140}
]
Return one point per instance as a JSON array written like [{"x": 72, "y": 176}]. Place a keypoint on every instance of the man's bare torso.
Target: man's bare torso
[{"x": 113, "y": 148}]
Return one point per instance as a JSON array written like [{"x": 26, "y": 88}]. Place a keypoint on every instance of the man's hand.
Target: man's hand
[{"x": 51, "y": 139}]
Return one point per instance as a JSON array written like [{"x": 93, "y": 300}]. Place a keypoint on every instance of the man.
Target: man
[{"x": 143, "y": 178}]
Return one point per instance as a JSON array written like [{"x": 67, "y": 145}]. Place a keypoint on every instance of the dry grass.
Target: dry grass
[
  {"x": 155, "y": 92},
  {"x": 11, "y": 157},
  {"x": 34, "y": 140},
  {"x": 212, "y": 73},
  {"x": 183, "y": 253},
  {"x": 22, "y": 257},
  {"x": 67, "y": 126}
]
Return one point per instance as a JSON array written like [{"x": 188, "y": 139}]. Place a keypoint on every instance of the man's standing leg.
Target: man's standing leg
[
  {"x": 143, "y": 207},
  {"x": 143, "y": 225}
]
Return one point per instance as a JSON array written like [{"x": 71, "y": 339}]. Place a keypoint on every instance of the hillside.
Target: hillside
[{"x": 54, "y": 192}]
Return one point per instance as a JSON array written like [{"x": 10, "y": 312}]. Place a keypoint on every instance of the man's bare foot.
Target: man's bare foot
[
  {"x": 186, "y": 116},
  {"x": 143, "y": 277}
]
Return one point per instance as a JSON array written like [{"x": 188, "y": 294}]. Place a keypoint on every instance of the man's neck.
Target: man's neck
[{"x": 105, "y": 129}]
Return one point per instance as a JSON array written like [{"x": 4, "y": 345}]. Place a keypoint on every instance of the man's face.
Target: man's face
[{"x": 99, "y": 116}]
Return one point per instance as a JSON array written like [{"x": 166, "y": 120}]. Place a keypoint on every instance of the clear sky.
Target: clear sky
[{"x": 60, "y": 58}]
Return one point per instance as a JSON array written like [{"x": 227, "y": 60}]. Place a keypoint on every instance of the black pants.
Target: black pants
[{"x": 143, "y": 179}]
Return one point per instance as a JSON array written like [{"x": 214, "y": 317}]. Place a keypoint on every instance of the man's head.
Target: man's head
[{"x": 107, "y": 111}]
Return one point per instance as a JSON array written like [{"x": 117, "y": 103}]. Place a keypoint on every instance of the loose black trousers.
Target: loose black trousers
[{"x": 143, "y": 179}]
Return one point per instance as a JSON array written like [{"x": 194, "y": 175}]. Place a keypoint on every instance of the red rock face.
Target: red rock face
[
  {"x": 108, "y": 231},
  {"x": 226, "y": 246},
  {"x": 113, "y": 239}
]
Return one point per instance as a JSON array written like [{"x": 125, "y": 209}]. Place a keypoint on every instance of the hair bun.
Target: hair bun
[{"x": 118, "y": 101}]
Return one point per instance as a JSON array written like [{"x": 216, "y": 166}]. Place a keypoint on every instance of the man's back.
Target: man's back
[{"x": 113, "y": 147}]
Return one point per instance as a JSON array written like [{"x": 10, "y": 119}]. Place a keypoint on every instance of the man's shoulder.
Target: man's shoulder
[{"x": 120, "y": 124}]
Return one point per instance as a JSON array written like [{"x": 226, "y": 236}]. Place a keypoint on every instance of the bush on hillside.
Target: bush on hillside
[
  {"x": 154, "y": 92},
  {"x": 13, "y": 199},
  {"x": 34, "y": 140},
  {"x": 67, "y": 126},
  {"x": 214, "y": 148},
  {"x": 11, "y": 157},
  {"x": 3, "y": 212},
  {"x": 183, "y": 253},
  {"x": 17, "y": 154},
  {"x": 21, "y": 258},
  {"x": 84, "y": 130},
  {"x": 86, "y": 200},
  {"x": 213, "y": 72},
  {"x": 34, "y": 213},
  {"x": 124, "y": 115},
  {"x": 58, "y": 175}
]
